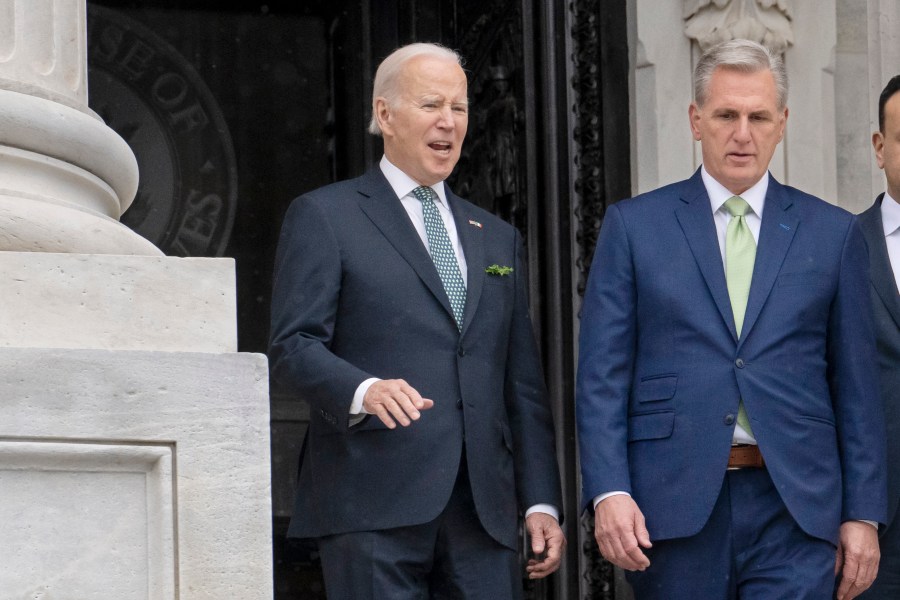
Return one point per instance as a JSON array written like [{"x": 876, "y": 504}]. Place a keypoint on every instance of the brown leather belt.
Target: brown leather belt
[{"x": 745, "y": 456}]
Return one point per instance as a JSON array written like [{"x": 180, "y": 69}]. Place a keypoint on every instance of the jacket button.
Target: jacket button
[
  {"x": 739, "y": 363},
  {"x": 459, "y": 403},
  {"x": 461, "y": 352},
  {"x": 729, "y": 419}
]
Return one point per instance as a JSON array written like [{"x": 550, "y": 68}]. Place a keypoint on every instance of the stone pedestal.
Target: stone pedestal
[{"x": 134, "y": 439}]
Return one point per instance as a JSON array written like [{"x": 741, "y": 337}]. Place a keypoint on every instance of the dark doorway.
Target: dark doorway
[{"x": 235, "y": 107}]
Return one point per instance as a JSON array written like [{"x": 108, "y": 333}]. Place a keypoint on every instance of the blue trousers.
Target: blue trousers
[{"x": 750, "y": 549}]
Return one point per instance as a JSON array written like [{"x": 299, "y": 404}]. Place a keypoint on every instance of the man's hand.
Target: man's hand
[
  {"x": 620, "y": 532},
  {"x": 395, "y": 401},
  {"x": 857, "y": 558},
  {"x": 547, "y": 539}
]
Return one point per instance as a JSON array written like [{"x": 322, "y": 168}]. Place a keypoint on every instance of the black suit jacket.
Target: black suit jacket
[
  {"x": 886, "y": 308},
  {"x": 356, "y": 295}
]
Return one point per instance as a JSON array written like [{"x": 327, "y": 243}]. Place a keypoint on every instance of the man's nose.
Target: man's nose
[
  {"x": 742, "y": 131},
  {"x": 446, "y": 117}
]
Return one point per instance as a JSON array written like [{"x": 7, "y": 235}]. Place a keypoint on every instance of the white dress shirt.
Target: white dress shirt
[{"x": 890, "y": 217}]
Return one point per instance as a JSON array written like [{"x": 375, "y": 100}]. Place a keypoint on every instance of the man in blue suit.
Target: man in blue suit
[
  {"x": 730, "y": 431},
  {"x": 399, "y": 314},
  {"x": 881, "y": 228}
]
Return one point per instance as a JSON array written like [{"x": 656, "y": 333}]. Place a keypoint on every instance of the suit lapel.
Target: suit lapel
[
  {"x": 775, "y": 236},
  {"x": 381, "y": 205},
  {"x": 880, "y": 271},
  {"x": 696, "y": 220},
  {"x": 471, "y": 238}
]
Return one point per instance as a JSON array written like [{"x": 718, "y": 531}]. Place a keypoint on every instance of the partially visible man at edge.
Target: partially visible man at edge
[
  {"x": 730, "y": 431},
  {"x": 881, "y": 228},
  {"x": 399, "y": 313}
]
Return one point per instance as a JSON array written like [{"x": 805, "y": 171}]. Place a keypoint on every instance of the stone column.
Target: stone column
[
  {"x": 134, "y": 439},
  {"x": 65, "y": 177}
]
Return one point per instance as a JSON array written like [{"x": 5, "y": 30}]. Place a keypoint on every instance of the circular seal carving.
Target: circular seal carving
[{"x": 151, "y": 96}]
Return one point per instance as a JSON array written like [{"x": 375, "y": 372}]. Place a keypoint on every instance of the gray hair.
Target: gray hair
[
  {"x": 744, "y": 56},
  {"x": 389, "y": 70}
]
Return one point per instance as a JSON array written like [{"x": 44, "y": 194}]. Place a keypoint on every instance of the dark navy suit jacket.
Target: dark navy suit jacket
[
  {"x": 356, "y": 295},
  {"x": 886, "y": 308},
  {"x": 661, "y": 369}
]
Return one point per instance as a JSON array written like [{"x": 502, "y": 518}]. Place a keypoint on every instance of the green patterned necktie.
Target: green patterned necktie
[
  {"x": 442, "y": 253},
  {"x": 740, "y": 254}
]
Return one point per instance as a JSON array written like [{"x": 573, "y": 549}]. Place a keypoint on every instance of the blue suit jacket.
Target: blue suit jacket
[
  {"x": 661, "y": 369},
  {"x": 356, "y": 295},
  {"x": 886, "y": 308}
]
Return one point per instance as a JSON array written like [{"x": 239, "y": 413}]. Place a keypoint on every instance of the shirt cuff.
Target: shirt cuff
[
  {"x": 356, "y": 407},
  {"x": 602, "y": 497},
  {"x": 547, "y": 509},
  {"x": 872, "y": 523}
]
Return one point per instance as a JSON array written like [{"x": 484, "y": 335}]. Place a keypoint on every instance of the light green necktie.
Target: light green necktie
[{"x": 740, "y": 254}]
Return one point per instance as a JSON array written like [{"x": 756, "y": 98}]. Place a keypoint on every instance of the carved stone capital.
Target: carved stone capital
[{"x": 768, "y": 22}]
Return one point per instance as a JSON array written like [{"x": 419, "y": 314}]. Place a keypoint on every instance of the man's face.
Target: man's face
[
  {"x": 424, "y": 128},
  {"x": 738, "y": 127},
  {"x": 887, "y": 146}
]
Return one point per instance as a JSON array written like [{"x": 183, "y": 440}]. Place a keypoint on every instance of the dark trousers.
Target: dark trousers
[
  {"x": 451, "y": 557},
  {"x": 887, "y": 584},
  {"x": 750, "y": 549}
]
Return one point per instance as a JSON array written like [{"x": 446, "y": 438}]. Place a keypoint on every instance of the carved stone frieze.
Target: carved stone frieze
[{"x": 768, "y": 22}]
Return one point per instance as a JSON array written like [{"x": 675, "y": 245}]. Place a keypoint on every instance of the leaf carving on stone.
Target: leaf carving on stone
[{"x": 765, "y": 21}]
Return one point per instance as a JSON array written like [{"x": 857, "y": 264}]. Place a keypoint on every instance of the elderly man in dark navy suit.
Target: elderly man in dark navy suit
[
  {"x": 881, "y": 229},
  {"x": 399, "y": 314}
]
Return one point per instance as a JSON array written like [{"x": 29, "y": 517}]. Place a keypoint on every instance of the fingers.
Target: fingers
[
  {"x": 860, "y": 557},
  {"x": 838, "y": 559},
  {"x": 547, "y": 542},
  {"x": 394, "y": 401},
  {"x": 620, "y": 531}
]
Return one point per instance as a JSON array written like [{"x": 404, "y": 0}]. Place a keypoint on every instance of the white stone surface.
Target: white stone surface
[
  {"x": 102, "y": 426},
  {"x": 65, "y": 177},
  {"x": 809, "y": 141},
  {"x": 117, "y": 302},
  {"x": 58, "y": 131},
  {"x": 42, "y": 45},
  {"x": 664, "y": 150},
  {"x": 74, "y": 508}
]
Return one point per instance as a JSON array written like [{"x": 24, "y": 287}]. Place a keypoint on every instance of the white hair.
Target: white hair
[
  {"x": 388, "y": 73},
  {"x": 739, "y": 55}
]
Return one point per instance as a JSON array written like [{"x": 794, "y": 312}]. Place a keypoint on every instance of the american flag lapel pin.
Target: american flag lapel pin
[{"x": 475, "y": 223}]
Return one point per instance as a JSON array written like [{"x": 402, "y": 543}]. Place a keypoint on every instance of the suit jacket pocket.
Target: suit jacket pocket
[
  {"x": 651, "y": 426},
  {"x": 656, "y": 388},
  {"x": 807, "y": 278}
]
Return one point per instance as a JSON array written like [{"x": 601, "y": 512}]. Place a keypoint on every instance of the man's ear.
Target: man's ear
[
  {"x": 383, "y": 115},
  {"x": 878, "y": 145},
  {"x": 694, "y": 117}
]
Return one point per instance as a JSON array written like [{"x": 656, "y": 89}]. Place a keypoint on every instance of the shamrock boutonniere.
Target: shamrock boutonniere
[{"x": 498, "y": 270}]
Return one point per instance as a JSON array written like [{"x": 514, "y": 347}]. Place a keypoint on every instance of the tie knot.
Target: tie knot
[
  {"x": 424, "y": 193},
  {"x": 737, "y": 206}
]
